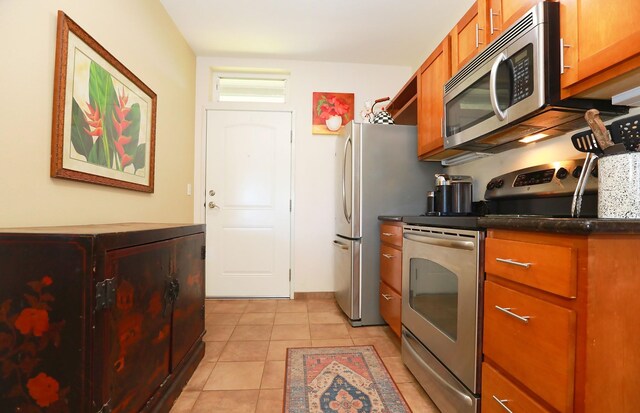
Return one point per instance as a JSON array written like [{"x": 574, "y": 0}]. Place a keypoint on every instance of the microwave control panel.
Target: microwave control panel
[{"x": 522, "y": 64}]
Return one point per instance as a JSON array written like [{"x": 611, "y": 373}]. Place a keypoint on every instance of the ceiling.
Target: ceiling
[{"x": 351, "y": 31}]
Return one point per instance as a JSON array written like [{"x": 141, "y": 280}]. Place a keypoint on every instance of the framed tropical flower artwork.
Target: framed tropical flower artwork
[
  {"x": 103, "y": 116},
  {"x": 331, "y": 111}
]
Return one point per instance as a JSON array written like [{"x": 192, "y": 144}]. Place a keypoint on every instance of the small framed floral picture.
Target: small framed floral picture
[
  {"x": 104, "y": 117},
  {"x": 331, "y": 111}
]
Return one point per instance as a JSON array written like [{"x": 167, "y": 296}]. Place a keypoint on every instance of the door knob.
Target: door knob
[{"x": 213, "y": 205}]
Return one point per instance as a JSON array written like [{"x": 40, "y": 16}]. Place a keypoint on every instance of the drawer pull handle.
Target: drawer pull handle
[
  {"x": 387, "y": 297},
  {"x": 502, "y": 404},
  {"x": 507, "y": 310},
  {"x": 387, "y": 256},
  {"x": 512, "y": 262},
  {"x": 387, "y": 234}
]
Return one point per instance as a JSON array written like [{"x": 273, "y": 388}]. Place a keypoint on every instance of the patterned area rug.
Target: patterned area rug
[{"x": 340, "y": 380}]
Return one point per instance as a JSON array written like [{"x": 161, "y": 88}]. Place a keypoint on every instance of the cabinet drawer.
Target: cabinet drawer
[
  {"x": 391, "y": 234},
  {"x": 497, "y": 389},
  {"x": 391, "y": 267},
  {"x": 538, "y": 350},
  {"x": 390, "y": 307},
  {"x": 546, "y": 267}
]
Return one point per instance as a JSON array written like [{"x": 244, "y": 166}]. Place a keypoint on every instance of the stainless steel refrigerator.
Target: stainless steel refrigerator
[{"x": 377, "y": 173}]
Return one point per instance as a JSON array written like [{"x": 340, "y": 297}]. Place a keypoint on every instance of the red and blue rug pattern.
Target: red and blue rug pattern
[{"x": 339, "y": 380}]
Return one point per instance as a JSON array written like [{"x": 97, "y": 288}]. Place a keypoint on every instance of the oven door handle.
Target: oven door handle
[{"x": 425, "y": 239}]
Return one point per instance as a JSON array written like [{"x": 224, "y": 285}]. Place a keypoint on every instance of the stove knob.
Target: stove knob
[
  {"x": 594, "y": 173},
  {"x": 491, "y": 185},
  {"x": 500, "y": 183},
  {"x": 576, "y": 172},
  {"x": 562, "y": 173}
]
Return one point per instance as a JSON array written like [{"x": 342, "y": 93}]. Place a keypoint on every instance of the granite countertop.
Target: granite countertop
[
  {"x": 529, "y": 223},
  {"x": 562, "y": 225}
]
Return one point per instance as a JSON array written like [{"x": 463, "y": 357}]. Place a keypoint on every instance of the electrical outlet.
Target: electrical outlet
[{"x": 189, "y": 189}]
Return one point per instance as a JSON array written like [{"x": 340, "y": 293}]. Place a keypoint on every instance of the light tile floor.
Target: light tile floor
[{"x": 243, "y": 369}]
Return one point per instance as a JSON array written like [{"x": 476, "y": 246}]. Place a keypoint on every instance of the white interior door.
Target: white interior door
[{"x": 248, "y": 185}]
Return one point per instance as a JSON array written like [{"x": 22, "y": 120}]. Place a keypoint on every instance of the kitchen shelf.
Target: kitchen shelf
[{"x": 404, "y": 106}]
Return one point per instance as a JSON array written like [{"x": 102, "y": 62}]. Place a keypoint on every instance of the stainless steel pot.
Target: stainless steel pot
[{"x": 461, "y": 194}]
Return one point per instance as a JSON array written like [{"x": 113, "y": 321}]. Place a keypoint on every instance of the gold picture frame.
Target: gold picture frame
[{"x": 104, "y": 117}]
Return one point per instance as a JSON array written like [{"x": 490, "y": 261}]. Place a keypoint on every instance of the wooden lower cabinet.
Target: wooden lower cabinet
[
  {"x": 104, "y": 318},
  {"x": 548, "y": 349},
  {"x": 499, "y": 394},
  {"x": 391, "y": 274}
]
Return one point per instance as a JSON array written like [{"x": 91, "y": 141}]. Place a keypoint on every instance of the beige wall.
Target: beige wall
[{"x": 143, "y": 37}]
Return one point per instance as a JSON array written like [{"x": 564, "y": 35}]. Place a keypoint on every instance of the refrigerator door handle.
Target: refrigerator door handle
[
  {"x": 340, "y": 245},
  {"x": 347, "y": 215}
]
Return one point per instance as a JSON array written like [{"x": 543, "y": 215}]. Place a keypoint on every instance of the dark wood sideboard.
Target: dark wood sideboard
[{"x": 99, "y": 318}]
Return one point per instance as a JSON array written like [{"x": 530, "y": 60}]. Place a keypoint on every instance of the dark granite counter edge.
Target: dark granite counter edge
[{"x": 564, "y": 225}]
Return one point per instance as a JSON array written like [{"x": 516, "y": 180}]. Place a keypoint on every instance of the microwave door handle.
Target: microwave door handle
[{"x": 493, "y": 87}]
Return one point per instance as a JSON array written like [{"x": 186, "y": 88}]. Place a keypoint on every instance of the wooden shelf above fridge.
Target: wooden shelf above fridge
[{"x": 404, "y": 106}]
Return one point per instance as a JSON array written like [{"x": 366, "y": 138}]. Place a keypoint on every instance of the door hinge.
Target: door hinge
[
  {"x": 203, "y": 252},
  {"x": 105, "y": 293},
  {"x": 291, "y": 136},
  {"x": 289, "y": 274},
  {"x": 290, "y": 205}
]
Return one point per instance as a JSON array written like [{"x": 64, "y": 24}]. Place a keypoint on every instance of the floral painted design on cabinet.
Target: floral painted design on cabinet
[{"x": 26, "y": 332}]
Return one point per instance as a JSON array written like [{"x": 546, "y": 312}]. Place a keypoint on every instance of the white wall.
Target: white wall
[
  {"x": 313, "y": 154},
  {"x": 556, "y": 149},
  {"x": 141, "y": 36}
]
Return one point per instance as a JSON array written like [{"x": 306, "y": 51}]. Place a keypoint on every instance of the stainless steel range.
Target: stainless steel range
[{"x": 443, "y": 275}]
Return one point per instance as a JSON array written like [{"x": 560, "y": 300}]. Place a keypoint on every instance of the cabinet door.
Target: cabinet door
[
  {"x": 43, "y": 325},
  {"x": 135, "y": 331},
  {"x": 188, "y": 309},
  {"x": 469, "y": 35},
  {"x": 433, "y": 74},
  {"x": 503, "y": 13},
  {"x": 599, "y": 39},
  {"x": 534, "y": 341}
]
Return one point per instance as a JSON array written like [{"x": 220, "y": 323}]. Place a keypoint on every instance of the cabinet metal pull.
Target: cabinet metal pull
[
  {"x": 478, "y": 42},
  {"x": 491, "y": 14},
  {"x": 502, "y": 403},
  {"x": 387, "y": 256},
  {"x": 562, "y": 47},
  {"x": 516, "y": 263},
  {"x": 387, "y": 234},
  {"x": 387, "y": 297},
  {"x": 507, "y": 310}
]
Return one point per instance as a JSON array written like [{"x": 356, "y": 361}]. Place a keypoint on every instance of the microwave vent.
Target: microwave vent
[{"x": 523, "y": 25}]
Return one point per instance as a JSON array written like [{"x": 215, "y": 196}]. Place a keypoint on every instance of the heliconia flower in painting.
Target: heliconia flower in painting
[{"x": 106, "y": 129}]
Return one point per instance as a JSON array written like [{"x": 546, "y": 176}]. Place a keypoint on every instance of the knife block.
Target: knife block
[{"x": 619, "y": 186}]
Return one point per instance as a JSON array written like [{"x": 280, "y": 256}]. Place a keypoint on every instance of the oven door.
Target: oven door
[{"x": 441, "y": 287}]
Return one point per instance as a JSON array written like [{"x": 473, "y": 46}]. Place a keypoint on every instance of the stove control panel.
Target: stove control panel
[{"x": 552, "y": 179}]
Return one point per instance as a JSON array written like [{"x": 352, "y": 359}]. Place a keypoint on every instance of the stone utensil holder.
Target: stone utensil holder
[{"x": 619, "y": 186}]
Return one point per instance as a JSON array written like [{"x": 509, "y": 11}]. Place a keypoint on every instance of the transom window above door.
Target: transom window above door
[{"x": 251, "y": 87}]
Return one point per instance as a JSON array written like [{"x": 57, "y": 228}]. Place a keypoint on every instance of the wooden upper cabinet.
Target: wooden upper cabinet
[
  {"x": 601, "y": 41},
  {"x": 469, "y": 36},
  {"x": 433, "y": 74},
  {"x": 503, "y": 13}
]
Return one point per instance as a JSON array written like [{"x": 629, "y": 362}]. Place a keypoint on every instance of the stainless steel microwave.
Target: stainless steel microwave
[{"x": 512, "y": 89}]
